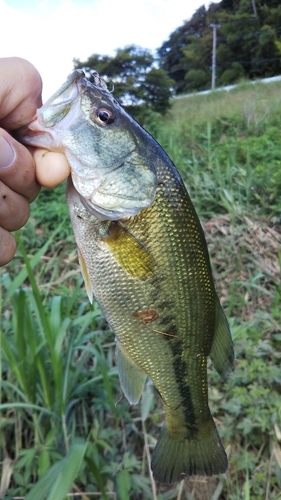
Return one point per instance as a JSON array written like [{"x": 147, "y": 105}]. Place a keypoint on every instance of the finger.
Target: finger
[
  {"x": 17, "y": 167},
  {"x": 20, "y": 92},
  {"x": 51, "y": 168},
  {"x": 7, "y": 246},
  {"x": 14, "y": 209}
]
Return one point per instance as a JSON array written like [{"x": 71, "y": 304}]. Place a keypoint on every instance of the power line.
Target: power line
[
  {"x": 242, "y": 20},
  {"x": 253, "y": 61},
  {"x": 241, "y": 36},
  {"x": 248, "y": 35}
]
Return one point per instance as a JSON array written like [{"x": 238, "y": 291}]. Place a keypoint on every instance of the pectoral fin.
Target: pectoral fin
[
  {"x": 132, "y": 379},
  {"x": 86, "y": 276},
  {"x": 222, "y": 354},
  {"x": 132, "y": 256}
]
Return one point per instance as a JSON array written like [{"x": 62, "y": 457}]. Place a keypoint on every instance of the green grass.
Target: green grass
[
  {"x": 65, "y": 427},
  {"x": 222, "y": 138}
]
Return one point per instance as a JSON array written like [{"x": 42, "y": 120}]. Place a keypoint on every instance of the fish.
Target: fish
[{"x": 144, "y": 258}]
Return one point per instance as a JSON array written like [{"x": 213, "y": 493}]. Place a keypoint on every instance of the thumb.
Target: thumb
[{"x": 51, "y": 168}]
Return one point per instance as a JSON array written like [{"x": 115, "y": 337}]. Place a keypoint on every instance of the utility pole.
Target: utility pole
[
  {"x": 214, "y": 26},
  {"x": 254, "y": 8}
]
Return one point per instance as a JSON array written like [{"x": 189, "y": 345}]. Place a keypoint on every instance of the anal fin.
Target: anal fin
[
  {"x": 222, "y": 354},
  {"x": 132, "y": 379}
]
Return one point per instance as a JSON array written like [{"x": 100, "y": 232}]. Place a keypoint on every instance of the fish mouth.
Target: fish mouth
[
  {"x": 75, "y": 83},
  {"x": 55, "y": 109}
]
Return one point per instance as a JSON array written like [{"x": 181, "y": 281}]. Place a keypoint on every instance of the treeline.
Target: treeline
[{"x": 248, "y": 46}]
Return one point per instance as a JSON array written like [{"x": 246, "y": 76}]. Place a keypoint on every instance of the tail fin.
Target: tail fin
[{"x": 176, "y": 456}]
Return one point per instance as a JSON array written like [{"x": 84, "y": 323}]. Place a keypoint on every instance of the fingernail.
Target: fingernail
[{"x": 7, "y": 153}]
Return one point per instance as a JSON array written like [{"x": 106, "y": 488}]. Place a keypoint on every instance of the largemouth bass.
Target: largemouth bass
[{"x": 144, "y": 258}]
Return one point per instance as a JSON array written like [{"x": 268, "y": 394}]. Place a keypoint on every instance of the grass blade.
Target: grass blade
[
  {"x": 22, "y": 275},
  {"x": 57, "y": 481}
]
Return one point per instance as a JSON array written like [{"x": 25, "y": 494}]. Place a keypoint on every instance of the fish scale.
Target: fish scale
[{"x": 144, "y": 257}]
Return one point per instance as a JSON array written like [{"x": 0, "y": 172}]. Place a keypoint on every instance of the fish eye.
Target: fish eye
[{"x": 104, "y": 116}]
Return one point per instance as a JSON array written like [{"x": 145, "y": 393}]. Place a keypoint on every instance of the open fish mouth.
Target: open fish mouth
[
  {"x": 74, "y": 84},
  {"x": 59, "y": 104},
  {"x": 55, "y": 109}
]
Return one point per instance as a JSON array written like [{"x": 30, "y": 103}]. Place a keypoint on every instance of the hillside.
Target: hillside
[{"x": 243, "y": 35}]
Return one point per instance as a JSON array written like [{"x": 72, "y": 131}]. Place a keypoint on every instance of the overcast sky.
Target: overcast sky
[{"x": 50, "y": 33}]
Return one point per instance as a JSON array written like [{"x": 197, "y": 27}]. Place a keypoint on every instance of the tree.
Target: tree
[
  {"x": 136, "y": 80},
  {"x": 232, "y": 75},
  {"x": 182, "y": 51},
  {"x": 247, "y": 44},
  {"x": 157, "y": 89}
]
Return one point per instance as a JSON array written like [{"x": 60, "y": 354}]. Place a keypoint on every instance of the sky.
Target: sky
[{"x": 51, "y": 33}]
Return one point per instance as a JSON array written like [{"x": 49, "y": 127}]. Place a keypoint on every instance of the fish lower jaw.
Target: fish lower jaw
[{"x": 37, "y": 137}]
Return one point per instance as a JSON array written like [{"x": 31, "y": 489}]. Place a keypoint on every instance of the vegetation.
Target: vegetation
[
  {"x": 248, "y": 44},
  {"x": 65, "y": 426}
]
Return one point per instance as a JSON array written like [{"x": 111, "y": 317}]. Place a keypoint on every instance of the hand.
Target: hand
[{"x": 20, "y": 96}]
